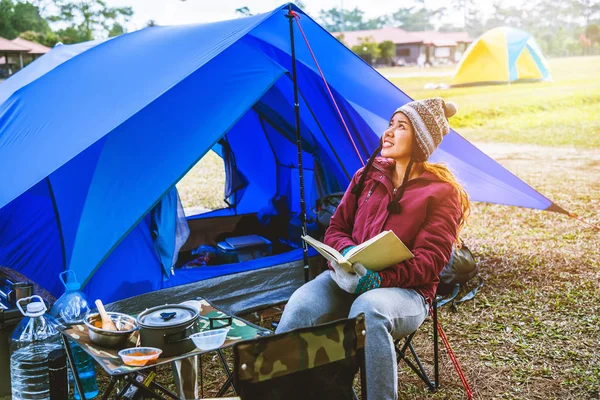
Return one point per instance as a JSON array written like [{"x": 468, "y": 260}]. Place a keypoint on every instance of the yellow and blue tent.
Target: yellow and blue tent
[{"x": 502, "y": 55}]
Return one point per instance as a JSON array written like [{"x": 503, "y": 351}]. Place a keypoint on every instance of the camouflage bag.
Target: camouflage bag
[{"x": 318, "y": 362}]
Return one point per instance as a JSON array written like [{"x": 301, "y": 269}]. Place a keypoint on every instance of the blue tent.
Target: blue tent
[{"x": 94, "y": 136}]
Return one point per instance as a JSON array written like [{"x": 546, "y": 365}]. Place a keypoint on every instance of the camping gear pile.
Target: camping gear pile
[{"x": 168, "y": 328}]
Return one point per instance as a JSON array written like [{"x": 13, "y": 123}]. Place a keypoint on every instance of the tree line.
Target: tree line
[
  {"x": 78, "y": 21},
  {"x": 561, "y": 27}
]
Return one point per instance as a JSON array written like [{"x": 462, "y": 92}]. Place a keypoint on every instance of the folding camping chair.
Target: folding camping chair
[
  {"x": 401, "y": 355},
  {"x": 318, "y": 362}
]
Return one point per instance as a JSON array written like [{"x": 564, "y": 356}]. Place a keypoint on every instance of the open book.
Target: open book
[{"x": 377, "y": 253}]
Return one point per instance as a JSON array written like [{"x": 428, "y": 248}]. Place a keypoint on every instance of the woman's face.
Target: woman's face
[{"x": 398, "y": 137}]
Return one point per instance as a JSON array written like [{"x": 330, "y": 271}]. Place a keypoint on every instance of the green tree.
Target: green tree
[
  {"x": 506, "y": 16},
  {"x": 116, "y": 30},
  {"x": 387, "y": 51},
  {"x": 589, "y": 10},
  {"x": 26, "y": 17},
  {"x": 417, "y": 17},
  {"x": 47, "y": 39},
  {"x": 7, "y": 9},
  {"x": 339, "y": 20},
  {"x": 412, "y": 19},
  {"x": 87, "y": 18},
  {"x": 592, "y": 32},
  {"x": 243, "y": 12},
  {"x": 73, "y": 34},
  {"x": 368, "y": 49},
  {"x": 18, "y": 17}
]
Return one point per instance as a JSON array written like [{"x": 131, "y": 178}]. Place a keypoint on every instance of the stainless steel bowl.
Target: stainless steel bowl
[{"x": 125, "y": 324}]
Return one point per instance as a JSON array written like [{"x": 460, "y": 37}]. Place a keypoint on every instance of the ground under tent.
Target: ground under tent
[{"x": 91, "y": 185}]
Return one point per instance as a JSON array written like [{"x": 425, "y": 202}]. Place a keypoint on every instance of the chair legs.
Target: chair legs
[
  {"x": 436, "y": 371},
  {"x": 415, "y": 364}
]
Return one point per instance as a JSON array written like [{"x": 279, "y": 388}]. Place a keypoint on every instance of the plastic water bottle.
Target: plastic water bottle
[
  {"x": 31, "y": 343},
  {"x": 71, "y": 308},
  {"x": 87, "y": 373}
]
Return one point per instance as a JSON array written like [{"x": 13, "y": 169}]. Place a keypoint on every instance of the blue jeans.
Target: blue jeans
[{"x": 390, "y": 313}]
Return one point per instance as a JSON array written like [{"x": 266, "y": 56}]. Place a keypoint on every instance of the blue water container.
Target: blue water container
[{"x": 70, "y": 309}]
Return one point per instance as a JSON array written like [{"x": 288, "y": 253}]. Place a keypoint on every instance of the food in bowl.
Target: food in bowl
[
  {"x": 139, "y": 356},
  {"x": 210, "y": 339},
  {"x": 125, "y": 324}
]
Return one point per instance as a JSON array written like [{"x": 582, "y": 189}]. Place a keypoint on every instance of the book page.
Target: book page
[
  {"x": 326, "y": 251},
  {"x": 361, "y": 246},
  {"x": 329, "y": 253},
  {"x": 380, "y": 252}
]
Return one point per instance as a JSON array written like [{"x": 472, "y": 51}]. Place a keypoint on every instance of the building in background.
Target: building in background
[
  {"x": 16, "y": 53},
  {"x": 414, "y": 48}
]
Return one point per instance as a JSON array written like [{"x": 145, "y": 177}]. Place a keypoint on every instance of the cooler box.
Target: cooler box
[{"x": 243, "y": 248}]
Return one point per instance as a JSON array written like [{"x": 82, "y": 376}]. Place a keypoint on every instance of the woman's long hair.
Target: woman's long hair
[{"x": 444, "y": 174}]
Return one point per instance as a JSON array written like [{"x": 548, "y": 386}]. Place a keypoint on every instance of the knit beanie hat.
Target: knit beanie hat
[{"x": 429, "y": 119}]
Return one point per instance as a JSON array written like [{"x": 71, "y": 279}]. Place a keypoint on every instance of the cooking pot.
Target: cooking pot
[{"x": 168, "y": 328}]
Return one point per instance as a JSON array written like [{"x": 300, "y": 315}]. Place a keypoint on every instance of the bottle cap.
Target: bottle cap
[{"x": 35, "y": 307}]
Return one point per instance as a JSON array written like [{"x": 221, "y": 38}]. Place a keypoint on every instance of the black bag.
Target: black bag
[{"x": 461, "y": 268}]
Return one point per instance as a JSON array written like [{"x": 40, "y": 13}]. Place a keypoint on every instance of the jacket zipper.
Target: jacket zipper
[{"x": 371, "y": 191}]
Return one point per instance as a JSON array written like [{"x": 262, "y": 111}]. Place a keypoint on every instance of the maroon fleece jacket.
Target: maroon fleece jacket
[{"x": 427, "y": 224}]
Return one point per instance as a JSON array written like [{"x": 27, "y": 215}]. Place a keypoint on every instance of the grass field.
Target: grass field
[
  {"x": 563, "y": 112},
  {"x": 534, "y": 330}
]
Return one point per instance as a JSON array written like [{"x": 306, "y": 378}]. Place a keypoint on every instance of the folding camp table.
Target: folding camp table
[{"x": 114, "y": 367}]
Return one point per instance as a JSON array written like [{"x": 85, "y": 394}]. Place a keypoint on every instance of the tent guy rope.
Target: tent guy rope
[{"x": 297, "y": 19}]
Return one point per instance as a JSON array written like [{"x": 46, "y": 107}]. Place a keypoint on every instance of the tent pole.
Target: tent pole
[
  {"x": 58, "y": 223},
  {"x": 290, "y": 17}
]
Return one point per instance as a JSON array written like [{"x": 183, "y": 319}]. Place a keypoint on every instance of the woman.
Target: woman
[{"x": 424, "y": 206}]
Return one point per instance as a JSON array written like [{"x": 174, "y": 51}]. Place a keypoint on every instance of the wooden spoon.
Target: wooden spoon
[{"x": 107, "y": 322}]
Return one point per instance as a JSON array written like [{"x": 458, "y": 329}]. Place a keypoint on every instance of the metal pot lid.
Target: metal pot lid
[{"x": 168, "y": 315}]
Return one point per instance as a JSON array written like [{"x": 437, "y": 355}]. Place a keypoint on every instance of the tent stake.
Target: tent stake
[{"x": 290, "y": 16}]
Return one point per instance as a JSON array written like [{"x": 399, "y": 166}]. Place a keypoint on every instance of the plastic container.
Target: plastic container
[
  {"x": 31, "y": 343},
  {"x": 243, "y": 248},
  {"x": 139, "y": 356},
  {"x": 71, "y": 308},
  {"x": 211, "y": 339}
]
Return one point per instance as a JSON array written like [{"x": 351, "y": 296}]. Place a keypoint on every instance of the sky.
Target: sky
[{"x": 176, "y": 12}]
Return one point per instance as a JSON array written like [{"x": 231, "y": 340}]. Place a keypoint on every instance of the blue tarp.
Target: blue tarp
[{"x": 94, "y": 135}]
